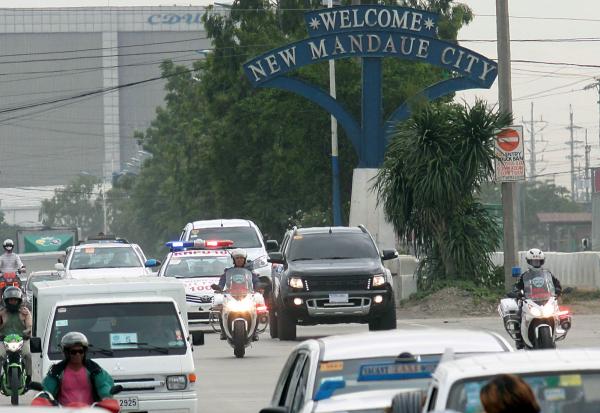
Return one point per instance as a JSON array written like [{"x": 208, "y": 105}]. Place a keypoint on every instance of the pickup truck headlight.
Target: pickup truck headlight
[
  {"x": 296, "y": 282},
  {"x": 176, "y": 382},
  {"x": 378, "y": 280}
]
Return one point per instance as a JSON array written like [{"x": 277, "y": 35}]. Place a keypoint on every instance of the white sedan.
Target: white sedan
[{"x": 363, "y": 372}]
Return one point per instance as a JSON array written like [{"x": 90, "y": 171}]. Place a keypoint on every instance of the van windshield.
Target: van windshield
[{"x": 121, "y": 329}]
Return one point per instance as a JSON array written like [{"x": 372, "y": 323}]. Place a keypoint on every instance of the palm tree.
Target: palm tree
[{"x": 433, "y": 168}]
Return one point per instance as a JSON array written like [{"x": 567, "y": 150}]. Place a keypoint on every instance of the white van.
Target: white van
[{"x": 137, "y": 332}]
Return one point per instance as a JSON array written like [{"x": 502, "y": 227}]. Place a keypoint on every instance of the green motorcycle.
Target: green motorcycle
[{"x": 12, "y": 382}]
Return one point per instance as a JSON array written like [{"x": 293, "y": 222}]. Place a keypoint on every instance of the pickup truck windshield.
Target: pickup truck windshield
[
  {"x": 121, "y": 329},
  {"x": 331, "y": 246}
]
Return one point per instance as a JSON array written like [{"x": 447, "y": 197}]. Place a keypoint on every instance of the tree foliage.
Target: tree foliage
[
  {"x": 435, "y": 164},
  {"x": 221, "y": 148},
  {"x": 79, "y": 205}
]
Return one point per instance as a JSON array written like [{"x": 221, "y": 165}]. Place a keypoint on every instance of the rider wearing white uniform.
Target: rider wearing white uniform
[{"x": 9, "y": 261}]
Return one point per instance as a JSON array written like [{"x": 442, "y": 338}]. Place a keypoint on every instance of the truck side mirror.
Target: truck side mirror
[
  {"x": 276, "y": 258},
  {"x": 272, "y": 245},
  {"x": 389, "y": 254},
  {"x": 198, "y": 338}
]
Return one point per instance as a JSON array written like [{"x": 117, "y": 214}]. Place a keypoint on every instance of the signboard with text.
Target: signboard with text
[{"x": 510, "y": 154}]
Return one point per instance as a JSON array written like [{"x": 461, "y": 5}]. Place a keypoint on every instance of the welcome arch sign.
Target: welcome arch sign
[{"x": 370, "y": 32}]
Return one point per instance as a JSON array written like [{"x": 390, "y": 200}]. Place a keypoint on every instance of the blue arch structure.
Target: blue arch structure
[{"x": 370, "y": 32}]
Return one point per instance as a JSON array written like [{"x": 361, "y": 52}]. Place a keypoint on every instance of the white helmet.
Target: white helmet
[
  {"x": 535, "y": 258},
  {"x": 8, "y": 244},
  {"x": 239, "y": 252}
]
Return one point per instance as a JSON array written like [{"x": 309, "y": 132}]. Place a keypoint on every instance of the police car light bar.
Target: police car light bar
[{"x": 198, "y": 244}]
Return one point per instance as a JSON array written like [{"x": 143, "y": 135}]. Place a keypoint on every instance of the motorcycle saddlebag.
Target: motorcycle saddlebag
[{"x": 508, "y": 306}]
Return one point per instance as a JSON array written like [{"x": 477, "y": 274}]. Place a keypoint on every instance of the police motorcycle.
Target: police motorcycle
[
  {"x": 236, "y": 307},
  {"x": 45, "y": 399},
  {"x": 540, "y": 323},
  {"x": 13, "y": 379}
]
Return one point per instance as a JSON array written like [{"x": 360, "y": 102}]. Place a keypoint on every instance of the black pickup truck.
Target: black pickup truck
[{"x": 330, "y": 275}]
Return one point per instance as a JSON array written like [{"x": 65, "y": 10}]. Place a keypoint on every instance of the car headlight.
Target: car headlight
[
  {"x": 296, "y": 282},
  {"x": 378, "y": 280},
  {"x": 176, "y": 382},
  {"x": 260, "y": 261}
]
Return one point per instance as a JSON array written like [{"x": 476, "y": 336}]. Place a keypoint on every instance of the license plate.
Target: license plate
[
  {"x": 128, "y": 403},
  {"x": 338, "y": 298}
]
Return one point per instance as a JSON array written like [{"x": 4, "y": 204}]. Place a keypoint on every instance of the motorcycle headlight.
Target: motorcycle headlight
[
  {"x": 261, "y": 261},
  {"x": 176, "y": 382},
  {"x": 14, "y": 346},
  {"x": 239, "y": 306},
  {"x": 535, "y": 311},
  {"x": 296, "y": 282},
  {"x": 548, "y": 310},
  {"x": 378, "y": 280}
]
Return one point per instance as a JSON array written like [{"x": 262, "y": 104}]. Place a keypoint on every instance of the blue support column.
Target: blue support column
[{"x": 372, "y": 146}]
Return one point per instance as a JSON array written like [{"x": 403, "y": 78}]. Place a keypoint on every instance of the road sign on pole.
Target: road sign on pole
[{"x": 510, "y": 162}]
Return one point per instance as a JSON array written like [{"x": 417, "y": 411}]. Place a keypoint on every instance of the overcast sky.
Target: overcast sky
[{"x": 552, "y": 88}]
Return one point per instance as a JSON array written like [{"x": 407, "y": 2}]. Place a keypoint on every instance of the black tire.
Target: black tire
[
  {"x": 386, "y": 322},
  {"x": 239, "y": 338},
  {"x": 545, "y": 338},
  {"x": 286, "y": 326},
  {"x": 273, "y": 331},
  {"x": 13, "y": 381}
]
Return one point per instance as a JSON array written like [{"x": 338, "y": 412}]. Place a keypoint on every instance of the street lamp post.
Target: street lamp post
[{"x": 335, "y": 165}]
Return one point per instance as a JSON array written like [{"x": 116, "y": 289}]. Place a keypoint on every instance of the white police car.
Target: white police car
[
  {"x": 363, "y": 372},
  {"x": 244, "y": 234},
  {"x": 566, "y": 381},
  {"x": 198, "y": 264}
]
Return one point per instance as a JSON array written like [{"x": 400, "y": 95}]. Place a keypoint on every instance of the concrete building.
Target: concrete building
[{"x": 64, "y": 108}]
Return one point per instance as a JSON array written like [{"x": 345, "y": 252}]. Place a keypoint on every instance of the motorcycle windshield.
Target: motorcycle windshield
[
  {"x": 238, "y": 281},
  {"x": 538, "y": 285}
]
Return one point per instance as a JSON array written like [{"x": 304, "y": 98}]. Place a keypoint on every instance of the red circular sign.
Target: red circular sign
[{"x": 508, "y": 140}]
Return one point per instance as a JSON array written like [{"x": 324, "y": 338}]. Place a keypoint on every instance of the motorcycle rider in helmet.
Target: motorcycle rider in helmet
[
  {"x": 9, "y": 261},
  {"x": 77, "y": 378},
  {"x": 535, "y": 260},
  {"x": 15, "y": 318},
  {"x": 240, "y": 257}
]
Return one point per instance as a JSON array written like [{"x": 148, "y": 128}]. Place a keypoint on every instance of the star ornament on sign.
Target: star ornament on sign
[
  {"x": 314, "y": 23},
  {"x": 429, "y": 24}
]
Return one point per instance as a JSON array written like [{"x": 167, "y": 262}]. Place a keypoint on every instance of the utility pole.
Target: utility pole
[
  {"x": 596, "y": 85},
  {"x": 509, "y": 189},
  {"x": 588, "y": 149},
  {"x": 572, "y": 143},
  {"x": 532, "y": 150},
  {"x": 335, "y": 165}
]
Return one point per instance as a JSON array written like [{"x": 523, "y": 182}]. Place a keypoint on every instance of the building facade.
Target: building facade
[{"x": 77, "y": 83}]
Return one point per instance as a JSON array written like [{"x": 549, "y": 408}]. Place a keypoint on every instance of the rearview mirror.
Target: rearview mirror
[
  {"x": 35, "y": 344},
  {"x": 272, "y": 245},
  {"x": 389, "y": 254},
  {"x": 276, "y": 258},
  {"x": 198, "y": 338}
]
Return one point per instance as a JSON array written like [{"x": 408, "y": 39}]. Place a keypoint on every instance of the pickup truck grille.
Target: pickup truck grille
[
  {"x": 337, "y": 283},
  {"x": 201, "y": 299}
]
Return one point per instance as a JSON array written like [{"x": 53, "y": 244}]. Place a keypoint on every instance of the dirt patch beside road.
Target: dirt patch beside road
[{"x": 455, "y": 303}]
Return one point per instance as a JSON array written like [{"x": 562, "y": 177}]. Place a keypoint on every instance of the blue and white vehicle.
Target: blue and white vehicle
[{"x": 197, "y": 264}]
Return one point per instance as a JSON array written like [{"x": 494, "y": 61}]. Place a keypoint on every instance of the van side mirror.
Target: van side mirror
[
  {"x": 198, "y": 338},
  {"x": 272, "y": 245},
  {"x": 276, "y": 258},
  {"x": 35, "y": 345}
]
